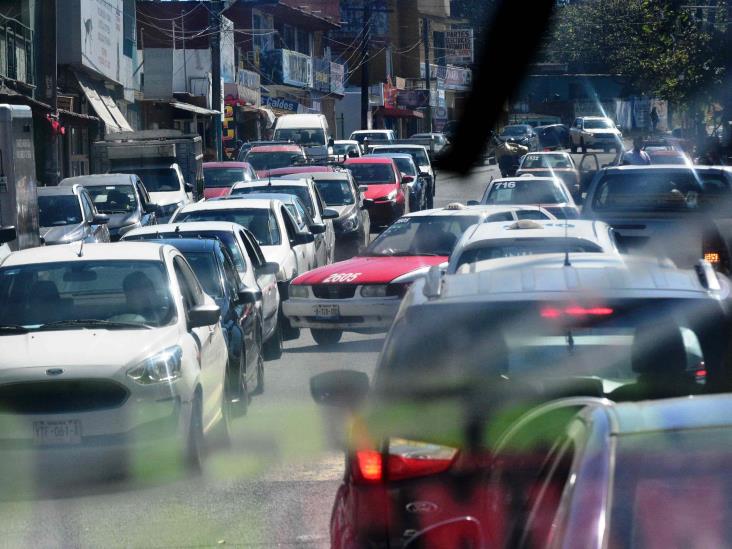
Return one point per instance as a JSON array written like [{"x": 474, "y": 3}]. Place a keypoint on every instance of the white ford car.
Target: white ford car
[{"x": 109, "y": 347}]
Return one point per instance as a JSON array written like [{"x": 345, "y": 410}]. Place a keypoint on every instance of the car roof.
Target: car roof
[
  {"x": 187, "y": 226},
  {"x": 662, "y": 167},
  {"x": 130, "y": 251},
  {"x": 232, "y": 203},
  {"x": 546, "y": 276},
  {"x": 299, "y": 169},
  {"x": 481, "y": 210},
  {"x": 345, "y": 142},
  {"x": 285, "y": 198},
  {"x": 275, "y": 148},
  {"x": 57, "y": 191},
  {"x": 399, "y": 146},
  {"x": 369, "y": 159},
  {"x": 527, "y": 177},
  {"x": 228, "y": 164},
  {"x": 595, "y": 117},
  {"x": 548, "y": 153},
  {"x": 371, "y": 131},
  {"x": 278, "y": 182},
  {"x": 333, "y": 174},
  {"x": 405, "y": 156},
  {"x": 97, "y": 179},
  {"x": 540, "y": 228},
  {"x": 191, "y": 244}
]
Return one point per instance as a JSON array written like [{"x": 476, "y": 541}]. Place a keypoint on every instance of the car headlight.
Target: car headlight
[
  {"x": 392, "y": 195},
  {"x": 373, "y": 290},
  {"x": 349, "y": 224},
  {"x": 162, "y": 367},
  {"x": 298, "y": 290}
]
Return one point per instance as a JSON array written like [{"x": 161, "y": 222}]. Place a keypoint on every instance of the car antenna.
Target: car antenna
[
  {"x": 566, "y": 242},
  {"x": 81, "y": 248}
]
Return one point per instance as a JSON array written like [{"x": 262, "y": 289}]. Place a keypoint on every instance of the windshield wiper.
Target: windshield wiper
[
  {"x": 92, "y": 323},
  {"x": 12, "y": 329}
]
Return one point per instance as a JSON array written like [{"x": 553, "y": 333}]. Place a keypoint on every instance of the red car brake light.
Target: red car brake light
[
  {"x": 557, "y": 312},
  {"x": 405, "y": 459}
]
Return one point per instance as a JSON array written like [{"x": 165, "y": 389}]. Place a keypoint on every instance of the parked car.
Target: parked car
[
  {"x": 138, "y": 361},
  {"x": 219, "y": 177},
  {"x": 596, "y": 132},
  {"x": 386, "y": 195},
  {"x": 268, "y": 157},
  {"x": 548, "y": 192},
  {"x": 252, "y": 267},
  {"x": 67, "y": 214},
  {"x": 320, "y": 217},
  {"x": 421, "y": 159},
  {"x": 418, "y": 183},
  {"x": 241, "y": 319},
  {"x": 123, "y": 198},
  {"x": 167, "y": 187}
]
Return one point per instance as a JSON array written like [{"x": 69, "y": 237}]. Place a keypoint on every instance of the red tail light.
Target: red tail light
[
  {"x": 555, "y": 312},
  {"x": 405, "y": 459}
]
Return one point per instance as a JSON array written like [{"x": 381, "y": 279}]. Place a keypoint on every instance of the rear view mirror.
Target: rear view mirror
[
  {"x": 317, "y": 228},
  {"x": 271, "y": 267},
  {"x": 249, "y": 295},
  {"x": 203, "y": 315},
  {"x": 330, "y": 214},
  {"x": 7, "y": 234},
  {"x": 341, "y": 388}
]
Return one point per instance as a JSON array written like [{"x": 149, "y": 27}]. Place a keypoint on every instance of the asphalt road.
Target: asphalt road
[{"x": 274, "y": 488}]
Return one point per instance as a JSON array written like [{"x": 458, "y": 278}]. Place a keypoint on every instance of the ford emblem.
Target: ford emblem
[
  {"x": 421, "y": 507},
  {"x": 54, "y": 371}
]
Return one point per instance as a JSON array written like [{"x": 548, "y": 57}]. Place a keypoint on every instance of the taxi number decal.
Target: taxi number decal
[
  {"x": 506, "y": 185},
  {"x": 342, "y": 277}
]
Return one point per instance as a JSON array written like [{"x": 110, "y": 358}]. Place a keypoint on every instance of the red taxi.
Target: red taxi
[{"x": 385, "y": 193}]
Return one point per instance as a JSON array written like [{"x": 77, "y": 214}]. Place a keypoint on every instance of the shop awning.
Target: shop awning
[
  {"x": 397, "y": 113},
  {"x": 180, "y": 105},
  {"x": 103, "y": 104}
]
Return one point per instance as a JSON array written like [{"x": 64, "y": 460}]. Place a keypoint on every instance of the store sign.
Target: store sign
[
  {"x": 100, "y": 47},
  {"x": 413, "y": 99},
  {"x": 226, "y": 47},
  {"x": 247, "y": 88},
  {"x": 287, "y": 67},
  {"x": 390, "y": 96},
  {"x": 459, "y": 46},
  {"x": 376, "y": 95},
  {"x": 337, "y": 76},
  {"x": 280, "y": 104},
  {"x": 321, "y": 74},
  {"x": 455, "y": 78}
]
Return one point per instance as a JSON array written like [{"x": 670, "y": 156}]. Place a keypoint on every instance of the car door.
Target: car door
[
  {"x": 329, "y": 235},
  {"x": 267, "y": 282},
  {"x": 304, "y": 251},
  {"x": 95, "y": 232},
  {"x": 147, "y": 210},
  {"x": 209, "y": 340}
]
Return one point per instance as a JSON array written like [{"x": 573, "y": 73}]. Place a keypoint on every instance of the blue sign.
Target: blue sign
[{"x": 280, "y": 103}]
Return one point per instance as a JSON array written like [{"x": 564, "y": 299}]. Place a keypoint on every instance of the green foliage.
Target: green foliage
[{"x": 656, "y": 45}]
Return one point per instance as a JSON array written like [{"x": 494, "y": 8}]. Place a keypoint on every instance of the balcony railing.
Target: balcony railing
[{"x": 16, "y": 50}]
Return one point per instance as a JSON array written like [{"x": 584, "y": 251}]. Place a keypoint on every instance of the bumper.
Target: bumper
[
  {"x": 384, "y": 213},
  {"x": 355, "y": 314},
  {"x": 594, "y": 141}
]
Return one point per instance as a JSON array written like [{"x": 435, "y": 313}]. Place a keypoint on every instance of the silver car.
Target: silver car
[{"x": 67, "y": 214}]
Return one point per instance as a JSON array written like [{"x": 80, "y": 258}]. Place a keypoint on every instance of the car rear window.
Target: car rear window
[
  {"x": 369, "y": 174},
  {"x": 301, "y": 192},
  {"x": 261, "y": 222},
  {"x": 495, "y": 249},
  {"x": 663, "y": 191},
  {"x": 525, "y": 191}
]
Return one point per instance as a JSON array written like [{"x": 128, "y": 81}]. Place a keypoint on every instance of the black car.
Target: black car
[
  {"x": 240, "y": 318},
  {"x": 522, "y": 134},
  {"x": 553, "y": 137}
]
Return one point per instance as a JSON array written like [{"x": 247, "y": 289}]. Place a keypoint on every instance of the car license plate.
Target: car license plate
[
  {"x": 327, "y": 311},
  {"x": 57, "y": 432}
]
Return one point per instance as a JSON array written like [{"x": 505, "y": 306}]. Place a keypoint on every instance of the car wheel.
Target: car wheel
[
  {"x": 573, "y": 147},
  {"x": 259, "y": 389},
  {"x": 194, "y": 447},
  {"x": 239, "y": 388},
  {"x": 583, "y": 146},
  {"x": 272, "y": 348},
  {"x": 430, "y": 200},
  {"x": 326, "y": 337}
]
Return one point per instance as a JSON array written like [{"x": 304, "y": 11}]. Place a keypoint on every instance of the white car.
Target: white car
[
  {"x": 305, "y": 189},
  {"x": 594, "y": 132},
  {"x": 372, "y": 136},
  {"x": 274, "y": 228},
  {"x": 167, "y": 188},
  {"x": 529, "y": 237},
  {"x": 253, "y": 268},
  {"x": 344, "y": 148},
  {"x": 108, "y": 346}
]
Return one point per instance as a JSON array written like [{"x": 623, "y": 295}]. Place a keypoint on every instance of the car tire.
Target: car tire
[
  {"x": 583, "y": 146},
  {"x": 194, "y": 444},
  {"x": 572, "y": 147},
  {"x": 272, "y": 348},
  {"x": 326, "y": 337}
]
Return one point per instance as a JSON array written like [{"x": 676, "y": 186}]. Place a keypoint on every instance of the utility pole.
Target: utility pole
[
  {"x": 365, "y": 43},
  {"x": 217, "y": 6},
  {"x": 48, "y": 87},
  {"x": 428, "y": 83}
]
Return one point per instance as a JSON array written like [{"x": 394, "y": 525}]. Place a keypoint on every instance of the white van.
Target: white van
[{"x": 310, "y": 131}]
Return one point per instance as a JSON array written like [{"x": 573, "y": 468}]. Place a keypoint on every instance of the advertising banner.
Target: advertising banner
[
  {"x": 280, "y": 103},
  {"x": 228, "y": 65},
  {"x": 337, "y": 76},
  {"x": 459, "y": 46},
  {"x": 101, "y": 37},
  {"x": 413, "y": 99},
  {"x": 321, "y": 74},
  {"x": 287, "y": 67}
]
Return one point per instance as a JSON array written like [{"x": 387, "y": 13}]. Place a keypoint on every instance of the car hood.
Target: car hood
[
  {"x": 167, "y": 198},
  {"x": 369, "y": 270},
  {"x": 613, "y": 131},
  {"x": 117, "y": 220},
  {"x": 216, "y": 192},
  {"x": 63, "y": 234},
  {"x": 375, "y": 191},
  {"x": 80, "y": 352},
  {"x": 343, "y": 211}
]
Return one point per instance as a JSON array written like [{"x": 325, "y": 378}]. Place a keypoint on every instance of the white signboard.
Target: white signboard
[
  {"x": 459, "y": 46},
  {"x": 101, "y": 36}
]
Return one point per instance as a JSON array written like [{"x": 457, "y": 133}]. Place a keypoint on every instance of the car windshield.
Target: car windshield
[
  {"x": 526, "y": 246},
  {"x": 306, "y": 137},
  {"x": 335, "y": 192},
  {"x": 299, "y": 191},
  {"x": 678, "y": 191},
  {"x": 667, "y": 157},
  {"x": 534, "y": 161},
  {"x": 421, "y": 235},
  {"x": 111, "y": 199},
  {"x": 594, "y": 124},
  {"x": 525, "y": 191},
  {"x": 371, "y": 136},
  {"x": 222, "y": 177},
  {"x": 158, "y": 180},
  {"x": 59, "y": 210},
  {"x": 272, "y": 160},
  {"x": 205, "y": 267},
  {"x": 372, "y": 173},
  {"x": 261, "y": 222},
  {"x": 515, "y": 130},
  {"x": 405, "y": 165},
  {"x": 418, "y": 153},
  {"x": 682, "y": 474},
  {"x": 343, "y": 148},
  {"x": 121, "y": 292}
]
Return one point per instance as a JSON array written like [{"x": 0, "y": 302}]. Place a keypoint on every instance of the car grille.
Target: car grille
[
  {"x": 604, "y": 135},
  {"x": 59, "y": 397},
  {"x": 334, "y": 291},
  {"x": 397, "y": 289}
]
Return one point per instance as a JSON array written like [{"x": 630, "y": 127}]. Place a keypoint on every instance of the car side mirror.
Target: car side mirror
[
  {"x": 331, "y": 142},
  {"x": 353, "y": 154},
  {"x": 7, "y": 234},
  {"x": 249, "y": 295},
  {"x": 317, "y": 228},
  {"x": 362, "y": 188},
  {"x": 269, "y": 268},
  {"x": 303, "y": 238},
  {"x": 340, "y": 388},
  {"x": 203, "y": 315},
  {"x": 330, "y": 214},
  {"x": 99, "y": 219},
  {"x": 473, "y": 203},
  {"x": 188, "y": 187},
  {"x": 424, "y": 174},
  {"x": 150, "y": 208},
  {"x": 407, "y": 178}
]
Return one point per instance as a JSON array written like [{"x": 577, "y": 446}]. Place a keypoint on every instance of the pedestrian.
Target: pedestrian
[
  {"x": 654, "y": 119},
  {"x": 636, "y": 156}
]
